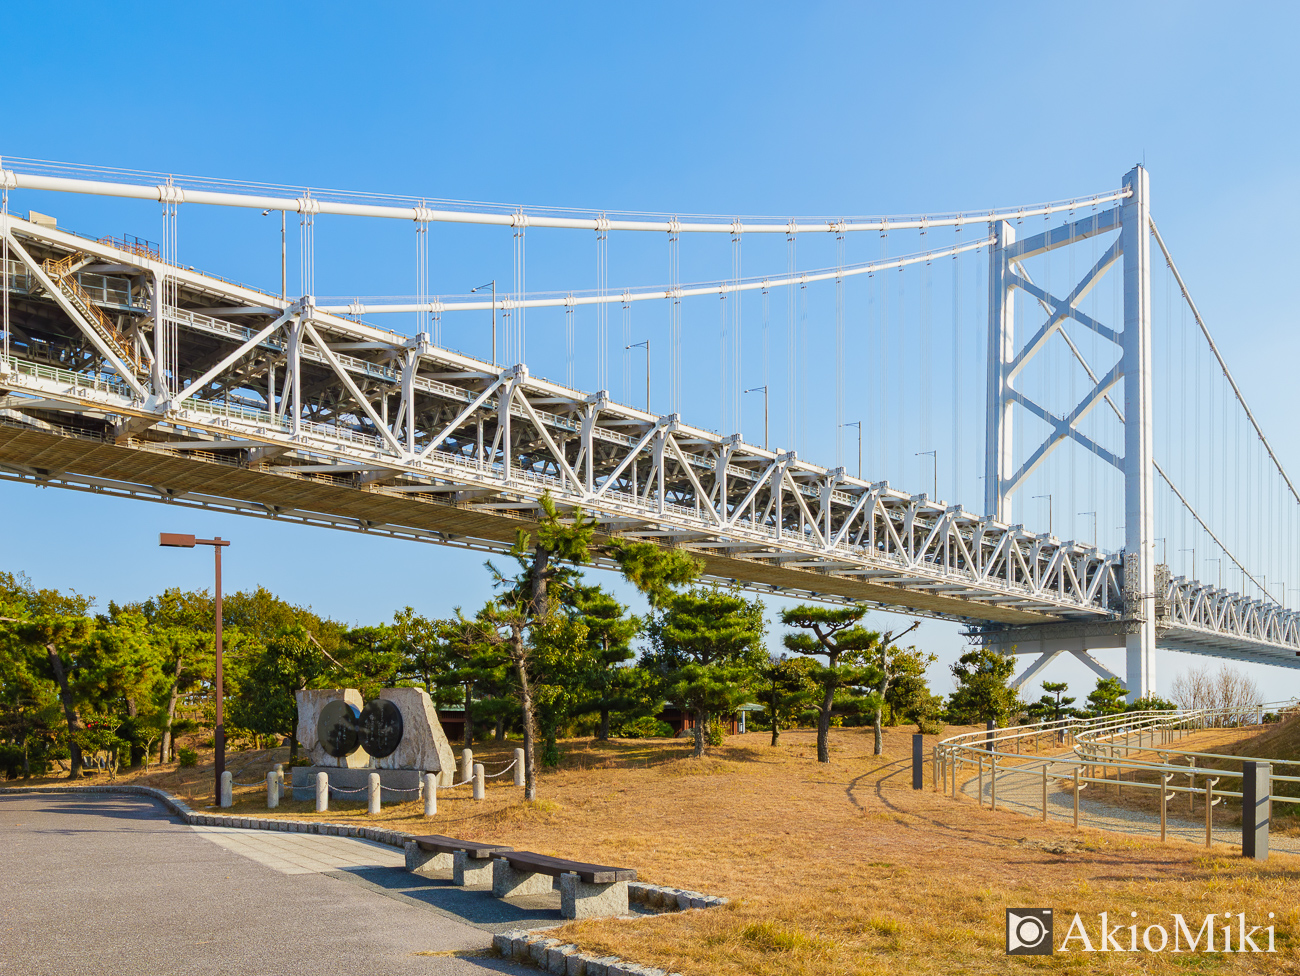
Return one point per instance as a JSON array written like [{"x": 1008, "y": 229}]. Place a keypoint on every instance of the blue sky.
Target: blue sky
[{"x": 816, "y": 108}]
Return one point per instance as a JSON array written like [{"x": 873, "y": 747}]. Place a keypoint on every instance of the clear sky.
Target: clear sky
[{"x": 814, "y": 108}]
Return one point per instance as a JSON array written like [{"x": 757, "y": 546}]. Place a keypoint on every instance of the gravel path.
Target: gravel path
[{"x": 1020, "y": 789}]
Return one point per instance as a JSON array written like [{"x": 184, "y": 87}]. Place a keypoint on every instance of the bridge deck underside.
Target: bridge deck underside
[{"x": 140, "y": 471}]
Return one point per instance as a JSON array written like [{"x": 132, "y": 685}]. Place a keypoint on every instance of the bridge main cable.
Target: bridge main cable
[{"x": 175, "y": 190}]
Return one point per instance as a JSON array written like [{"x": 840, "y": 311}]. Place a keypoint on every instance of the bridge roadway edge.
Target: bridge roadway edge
[{"x": 62, "y": 458}]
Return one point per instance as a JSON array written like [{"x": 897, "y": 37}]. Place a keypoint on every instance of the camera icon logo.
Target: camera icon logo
[{"x": 1029, "y": 932}]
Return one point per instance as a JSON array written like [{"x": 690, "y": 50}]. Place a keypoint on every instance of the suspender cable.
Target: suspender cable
[
  {"x": 602, "y": 309},
  {"x": 674, "y": 330},
  {"x": 568, "y": 345},
  {"x": 519, "y": 346},
  {"x": 956, "y": 371},
  {"x": 839, "y": 352},
  {"x": 791, "y": 358},
  {"x": 737, "y": 345},
  {"x": 4, "y": 265},
  {"x": 1222, "y": 365},
  {"x": 886, "y": 368}
]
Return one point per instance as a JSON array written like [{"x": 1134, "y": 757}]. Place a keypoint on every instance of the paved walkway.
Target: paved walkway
[
  {"x": 103, "y": 884},
  {"x": 1020, "y": 789},
  {"x": 304, "y": 853}
]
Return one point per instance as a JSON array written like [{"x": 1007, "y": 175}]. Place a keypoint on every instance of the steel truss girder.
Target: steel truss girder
[
  {"x": 395, "y": 418},
  {"x": 493, "y": 437}
]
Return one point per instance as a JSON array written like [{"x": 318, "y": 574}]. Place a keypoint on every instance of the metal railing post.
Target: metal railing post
[
  {"x": 1077, "y": 787},
  {"x": 1044, "y": 792},
  {"x": 993, "y": 781},
  {"x": 1256, "y": 800},
  {"x": 979, "y": 761}
]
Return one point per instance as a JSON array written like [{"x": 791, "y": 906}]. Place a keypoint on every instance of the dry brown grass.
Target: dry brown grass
[{"x": 841, "y": 868}]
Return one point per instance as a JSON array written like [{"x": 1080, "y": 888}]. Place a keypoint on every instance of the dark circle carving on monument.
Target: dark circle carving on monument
[
  {"x": 336, "y": 729},
  {"x": 380, "y": 728}
]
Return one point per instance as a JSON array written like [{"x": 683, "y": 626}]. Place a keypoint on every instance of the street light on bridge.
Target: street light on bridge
[
  {"x": 493, "y": 284},
  {"x": 178, "y": 541}
]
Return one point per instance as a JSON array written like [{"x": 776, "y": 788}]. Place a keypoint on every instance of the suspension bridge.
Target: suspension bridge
[{"x": 127, "y": 373}]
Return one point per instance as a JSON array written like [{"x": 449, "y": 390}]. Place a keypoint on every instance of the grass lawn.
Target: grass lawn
[{"x": 837, "y": 868}]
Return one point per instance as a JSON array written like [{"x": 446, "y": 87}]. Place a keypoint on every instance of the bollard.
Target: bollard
[
  {"x": 918, "y": 762},
  {"x": 991, "y": 724},
  {"x": 466, "y": 765},
  {"x": 372, "y": 794},
  {"x": 430, "y": 794},
  {"x": 519, "y": 767},
  {"x": 479, "y": 789},
  {"x": 272, "y": 791},
  {"x": 1256, "y": 799},
  {"x": 227, "y": 790},
  {"x": 322, "y": 792}
]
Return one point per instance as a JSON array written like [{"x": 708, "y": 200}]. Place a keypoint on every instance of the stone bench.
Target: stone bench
[
  {"x": 469, "y": 862},
  {"x": 586, "y": 890}
]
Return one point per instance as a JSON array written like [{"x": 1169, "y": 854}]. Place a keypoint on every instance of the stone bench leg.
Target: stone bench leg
[
  {"x": 470, "y": 871},
  {"x": 581, "y": 900},
  {"x": 426, "y": 863},
  {"x": 506, "y": 881}
]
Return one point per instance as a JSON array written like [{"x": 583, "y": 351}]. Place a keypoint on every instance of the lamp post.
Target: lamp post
[
  {"x": 1094, "y": 526},
  {"x": 933, "y": 455},
  {"x": 646, "y": 344},
  {"x": 219, "y": 733},
  {"x": 1049, "y": 511},
  {"x": 472, "y": 291},
  {"x": 284, "y": 281},
  {"x": 1216, "y": 559},
  {"x": 857, "y": 424},
  {"x": 764, "y": 391},
  {"x": 1193, "y": 552}
]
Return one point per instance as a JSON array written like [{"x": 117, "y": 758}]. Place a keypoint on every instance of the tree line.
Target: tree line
[{"x": 550, "y": 654}]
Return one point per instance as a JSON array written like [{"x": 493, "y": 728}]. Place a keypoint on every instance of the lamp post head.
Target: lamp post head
[{"x": 176, "y": 539}]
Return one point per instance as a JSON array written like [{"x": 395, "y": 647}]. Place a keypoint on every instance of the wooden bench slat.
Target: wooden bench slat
[
  {"x": 448, "y": 845},
  {"x": 528, "y": 861}
]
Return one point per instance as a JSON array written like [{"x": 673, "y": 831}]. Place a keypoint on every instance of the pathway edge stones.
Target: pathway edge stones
[{"x": 650, "y": 895}]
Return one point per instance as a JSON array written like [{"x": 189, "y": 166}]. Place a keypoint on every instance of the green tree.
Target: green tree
[
  {"x": 892, "y": 663},
  {"x": 1054, "y": 705},
  {"x": 529, "y": 600},
  {"x": 785, "y": 688},
  {"x": 707, "y": 644},
  {"x": 270, "y": 677},
  {"x": 1108, "y": 697},
  {"x": 609, "y": 632},
  {"x": 1151, "y": 703},
  {"x": 838, "y": 635},
  {"x": 182, "y": 627},
  {"x": 982, "y": 692}
]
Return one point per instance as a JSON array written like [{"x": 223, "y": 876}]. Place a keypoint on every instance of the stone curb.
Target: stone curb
[
  {"x": 392, "y": 838},
  {"x": 520, "y": 945}
]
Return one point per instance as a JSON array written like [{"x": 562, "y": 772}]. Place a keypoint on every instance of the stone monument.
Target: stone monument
[{"x": 397, "y": 733}]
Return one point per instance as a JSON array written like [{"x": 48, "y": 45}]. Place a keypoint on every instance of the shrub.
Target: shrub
[
  {"x": 716, "y": 732},
  {"x": 930, "y": 726},
  {"x": 188, "y": 757},
  {"x": 645, "y": 727}
]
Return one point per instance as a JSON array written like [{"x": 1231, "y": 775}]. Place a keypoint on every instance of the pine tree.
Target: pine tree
[{"x": 838, "y": 635}]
